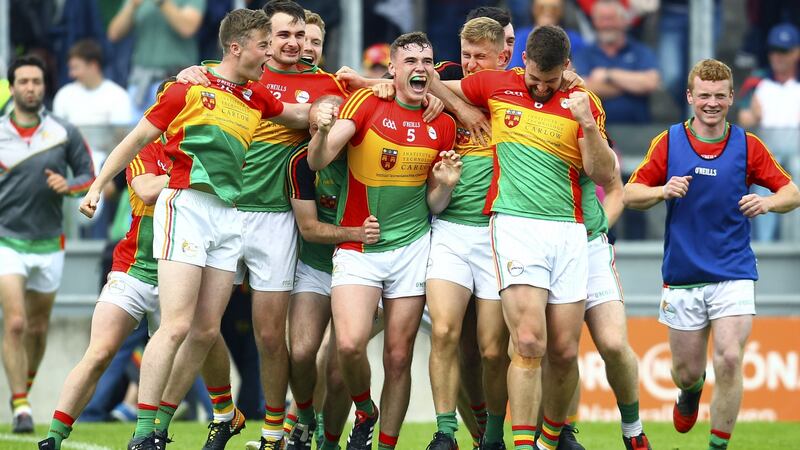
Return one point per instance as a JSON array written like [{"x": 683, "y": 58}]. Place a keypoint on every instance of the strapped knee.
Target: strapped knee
[{"x": 525, "y": 362}]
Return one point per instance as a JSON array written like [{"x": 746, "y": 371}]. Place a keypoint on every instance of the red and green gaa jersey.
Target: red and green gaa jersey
[
  {"x": 208, "y": 131},
  {"x": 538, "y": 160},
  {"x": 324, "y": 188},
  {"x": 469, "y": 197},
  {"x": 388, "y": 160},
  {"x": 134, "y": 253},
  {"x": 268, "y": 155},
  {"x": 594, "y": 216}
]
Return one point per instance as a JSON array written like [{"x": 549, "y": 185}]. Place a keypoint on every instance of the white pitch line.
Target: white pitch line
[{"x": 77, "y": 445}]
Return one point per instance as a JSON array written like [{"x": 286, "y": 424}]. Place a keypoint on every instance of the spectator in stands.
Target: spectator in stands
[
  {"x": 376, "y": 61},
  {"x": 544, "y": 12},
  {"x": 775, "y": 109},
  {"x": 619, "y": 69},
  {"x": 91, "y": 99},
  {"x": 165, "y": 42}
]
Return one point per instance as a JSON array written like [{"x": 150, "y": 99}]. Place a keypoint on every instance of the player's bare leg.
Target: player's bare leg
[
  {"x": 493, "y": 344},
  {"x": 15, "y": 323},
  {"x": 309, "y": 315},
  {"x": 729, "y": 337},
  {"x": 336, "y": 406},
  {"x": 203, "y": 335},
  {"x": 524, "y": 312},
  {"x": 269, "y": 324},
  {"x": 471, "y": 400},
  {"x": 228, "y": 420},
  {"x": 177, "y": 299},
  {"x": 38, "y": 306},
  {"x": 560, "y": 371},
  {"x": 688, "y": 371},
  {"x": 447, "y": 304}
]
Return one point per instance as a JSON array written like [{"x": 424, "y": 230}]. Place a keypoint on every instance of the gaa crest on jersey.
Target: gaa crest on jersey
[
  {"x": 462, "y": 136},
  {"x": 247, "y": 93},
  {"x": 328, "y": 201},
  {"x": 512, "y": 117},
  {"x": 209, "y": 99},
  {"x": 388, "y": 158}
]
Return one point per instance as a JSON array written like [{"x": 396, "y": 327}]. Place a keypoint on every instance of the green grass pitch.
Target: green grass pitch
[{"x": 415, "y": 436}]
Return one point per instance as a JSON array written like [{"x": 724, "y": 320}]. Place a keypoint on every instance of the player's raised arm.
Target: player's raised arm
[
  {"x": 120, "y": 157},
  {"x": 330, "y": 138},
  {"x": 598, "y": 158},
  {"x": 294, "y": 115},
  {"x": 612, "y": 202},
  {"x": 451, "y": 94},
  {"x": 443, "y": 179}
]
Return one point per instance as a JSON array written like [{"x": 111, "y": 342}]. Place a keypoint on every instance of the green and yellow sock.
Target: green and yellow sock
[
  {"x": 145, "y": 420},
  {"x": 273, "y": 423},
  {"x": 364, "y": 403},
  {"x": 222, "y": 402},
  {"x": 523, "y": 436},
  {"x": 164, "y": 415},
  {"x": 60, "y": 427},
  {"x": 494, "y": 428},
  {"x": 551, "y": 431},
  {"x": 305, "y": 411},
  {"x": 29, "y": 383},
  {"x": 476, "y": 440},
  {"x": 447, "y": 423},
  {"x": 718, "y": 440},
  {"x": 289, "y": 423},
  {"x": 480, "y": 416},
  {"x": 319, "y": 434},
  {"x": 20, "y": 404}
]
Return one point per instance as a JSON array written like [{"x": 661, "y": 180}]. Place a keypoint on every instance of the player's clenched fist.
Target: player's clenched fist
[
  {"x": 447, "y": 170},
  {"x": 579, "y": 106},
  {"x": 326, "y": 115},
  {"x": 370, "y": 230},
  {"x": 752, "y": 205},
  {"x": 89, "y": 203},
  {"x": 676, "y": 187}
]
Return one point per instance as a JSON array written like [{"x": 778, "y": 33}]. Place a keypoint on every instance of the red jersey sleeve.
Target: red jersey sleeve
[
  {"x": 448, "y": 132},
  {"x": 762, "y": 168},
  {"x": 653, "y": 170},
  {"x": 477, "y": 87},
  {"x": 355, "y": 108},
  {"x": 169, "y": 103},
  {"x": 146, "y": 161},
  {"x": 266, "y": 102},
  {"x": 598, "y": 113}
]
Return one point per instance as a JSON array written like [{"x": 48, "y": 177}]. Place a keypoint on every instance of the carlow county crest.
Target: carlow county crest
[
  {"x": 209, "y": 99},
  {"x": 388, "y": 158},
  {"x": 512, "y": 118}
]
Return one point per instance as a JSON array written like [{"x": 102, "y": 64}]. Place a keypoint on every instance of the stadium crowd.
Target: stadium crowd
[{"x": 474, "y": 199}]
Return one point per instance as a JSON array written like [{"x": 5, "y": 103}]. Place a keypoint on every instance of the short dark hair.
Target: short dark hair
[
  {"x": 414, "y": 38},
  {"x": 26, "y": 60},
  {"x": 287, "y": 7},
  {"x": 501, "y": 15},
  {"x": 88, "y": 50},
  {"x": 237, "y": 25},
  {"x": 548, "y": 47}
]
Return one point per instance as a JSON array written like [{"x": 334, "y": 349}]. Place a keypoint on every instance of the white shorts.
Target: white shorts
[
  {"x": 462, "y": 254},
  {"x": 692, "y": 308},
  {"x": 399, "y": 272},
  {"x": 604, "y": 284},
  {"x": 42, "y": 271},
  {"x": 134, "y": 296},
  {"x": 541, "y": 253},
  {"x": 196, "y": 228},
  {"x": 270, "y": 250},
  {"x": 309, "y": 279}
]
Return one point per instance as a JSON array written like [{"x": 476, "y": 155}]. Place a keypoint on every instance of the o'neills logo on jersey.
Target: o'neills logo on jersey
[
  {"x": 512, "y": 118},
  {"x": 705, "y": 171},
  {"x": 301, "y": 96},
  {"x": 388, "y": 158},
  {"x": 209, "y": 99},
  {"x": 462, "y": 136}
]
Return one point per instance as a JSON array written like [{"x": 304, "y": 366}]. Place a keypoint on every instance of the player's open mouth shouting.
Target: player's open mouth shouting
[{"x": 418, "y": 83}]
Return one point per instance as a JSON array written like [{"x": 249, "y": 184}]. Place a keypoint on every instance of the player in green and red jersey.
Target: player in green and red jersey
[
  {"x": 399, "y": 170},
  {"x": 197, "y": 232},
  {"x": 545, "y": 139},
  {"x": 460, "y": 267}
]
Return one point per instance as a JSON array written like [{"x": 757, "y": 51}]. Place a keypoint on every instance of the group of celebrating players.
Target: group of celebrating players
[{"x": 235, "y": 157}]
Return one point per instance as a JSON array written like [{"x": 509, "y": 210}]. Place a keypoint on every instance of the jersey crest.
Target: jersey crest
[
  {"x": 209, "y": 100},
  {"x": 388, "y": 158},
  {"x": 512, "y": 117}
]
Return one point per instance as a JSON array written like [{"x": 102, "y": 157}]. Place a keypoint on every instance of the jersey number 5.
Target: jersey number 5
[{"x": 411, "y": 136}]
